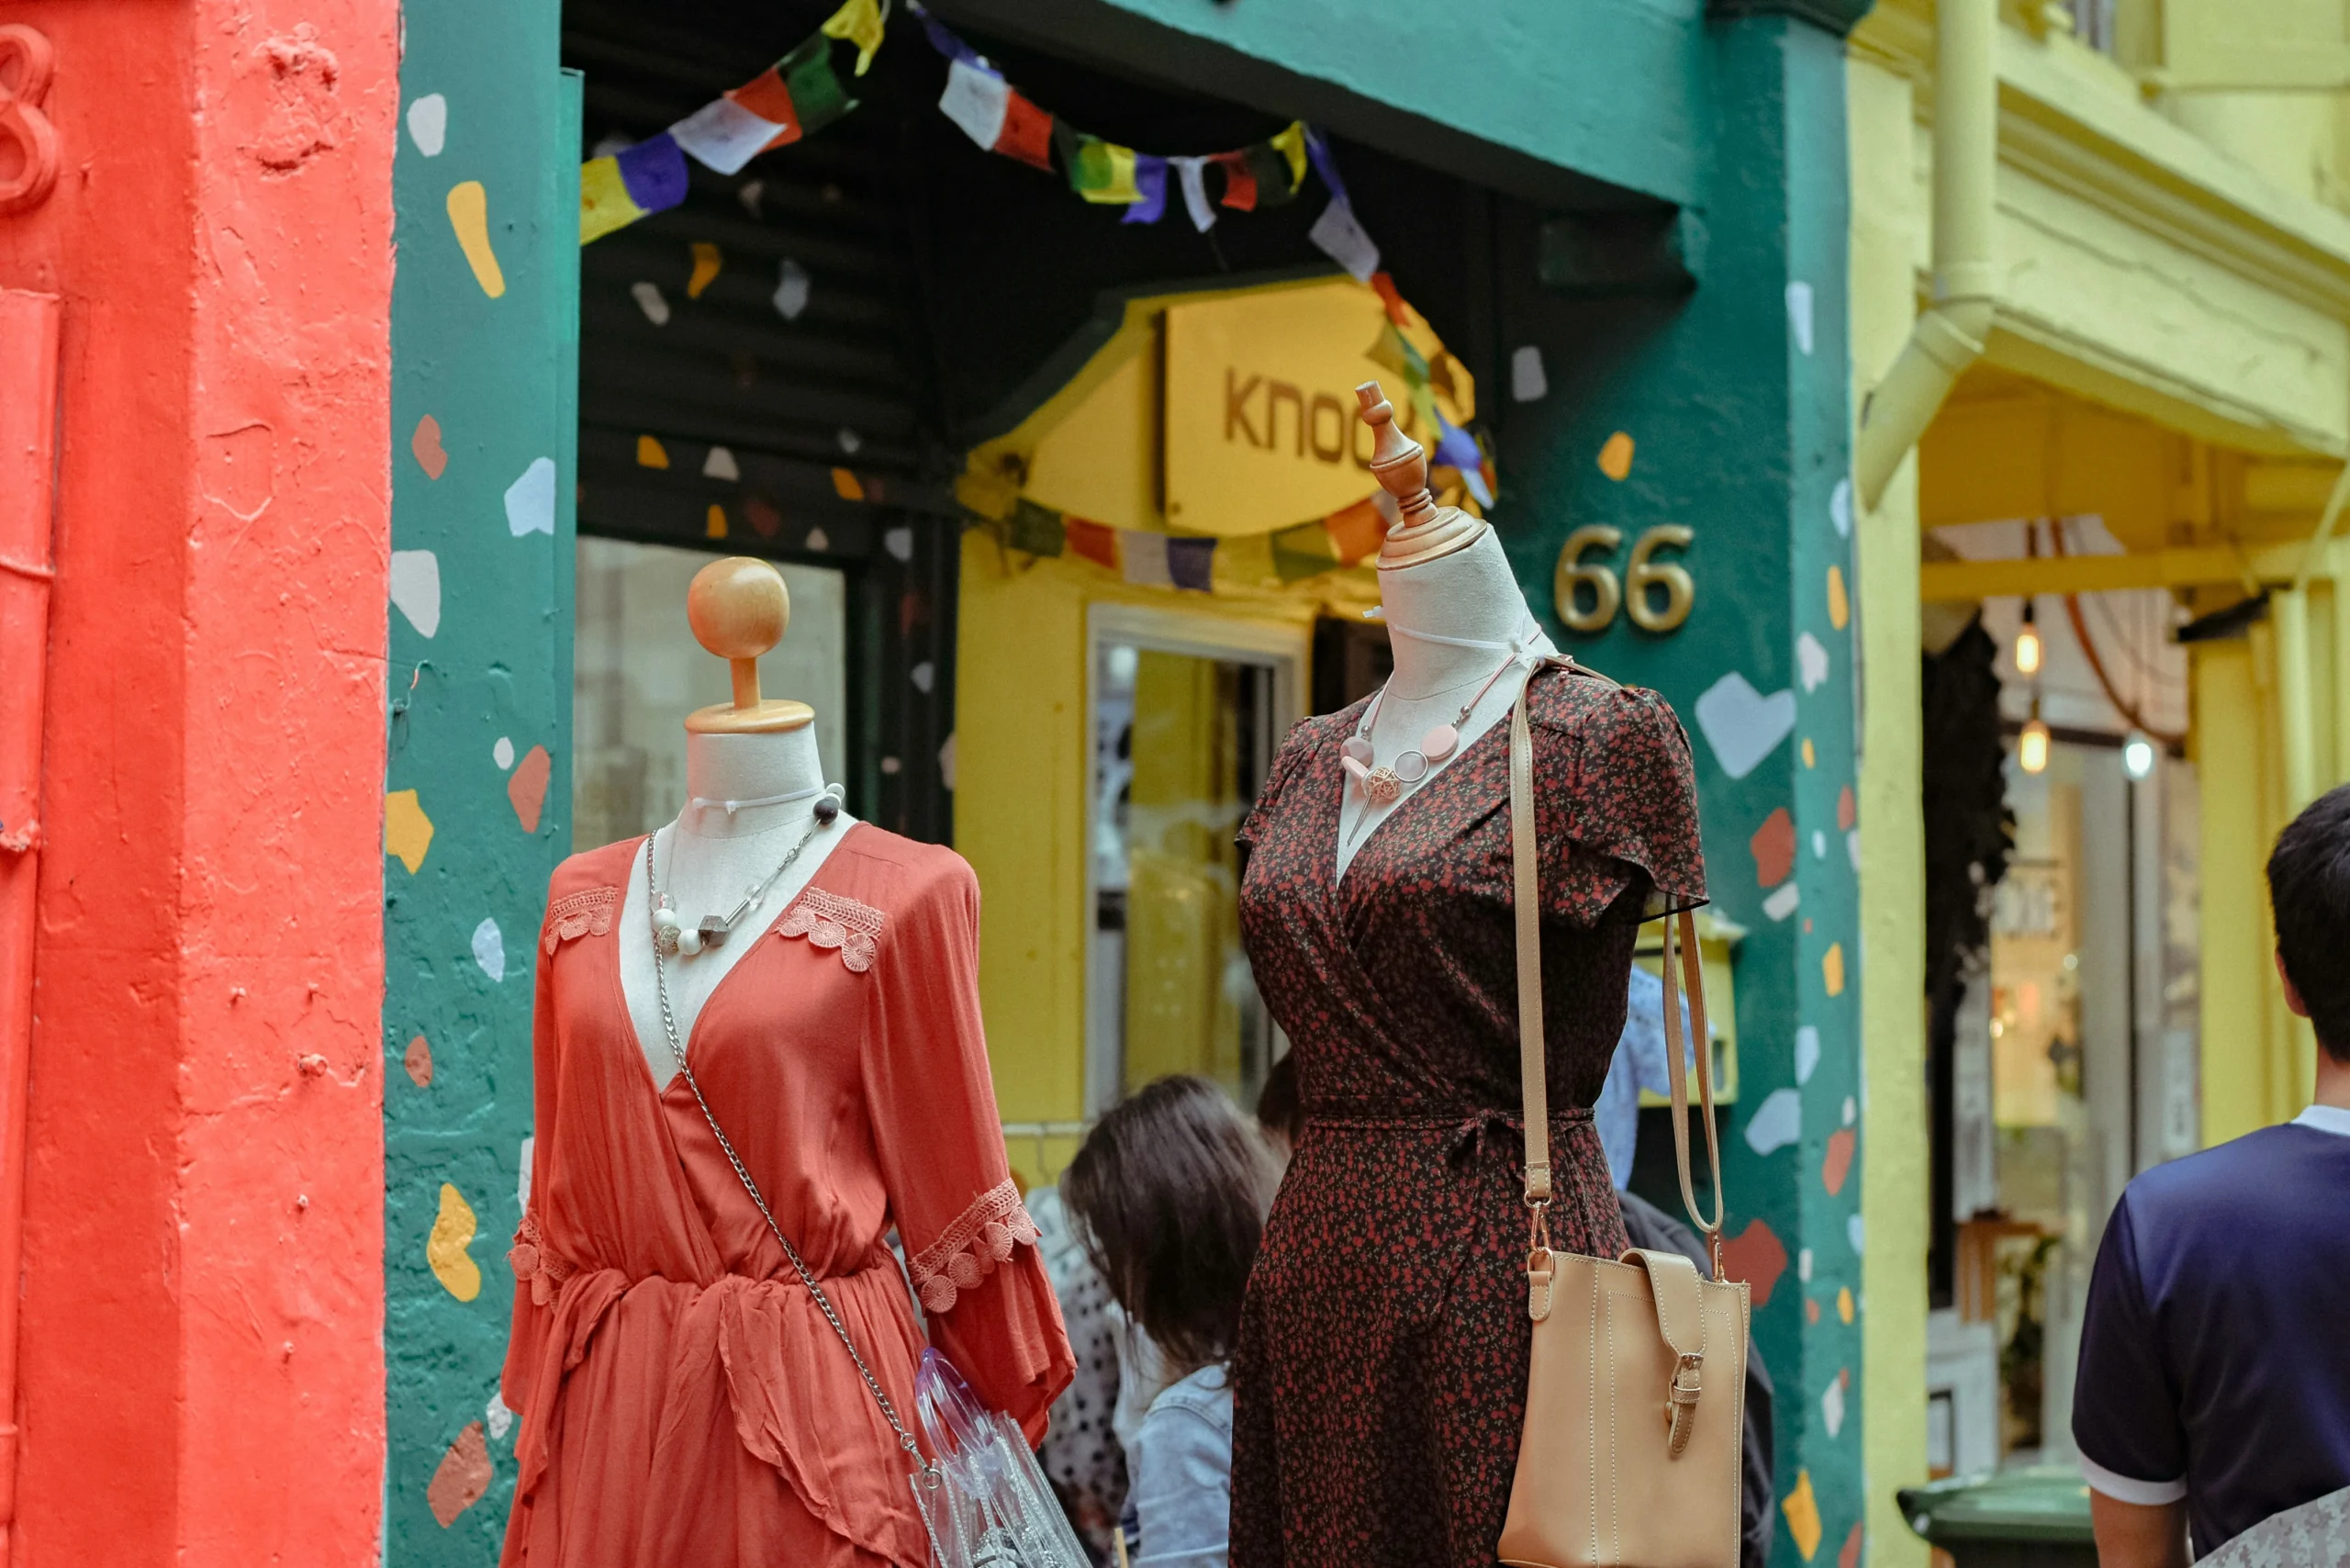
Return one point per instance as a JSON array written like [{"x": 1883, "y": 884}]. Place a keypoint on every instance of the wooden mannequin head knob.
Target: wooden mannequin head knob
[
  {"x": 1423, "y": 530},
  {"x": 739, "y": 609}
]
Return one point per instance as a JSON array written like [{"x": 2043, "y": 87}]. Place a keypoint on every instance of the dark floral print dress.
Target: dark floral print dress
[{"x": 1381, "y": 1381}]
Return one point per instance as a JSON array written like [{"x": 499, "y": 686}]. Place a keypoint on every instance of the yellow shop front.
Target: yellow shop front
[{"x": 1160, "y": 579}]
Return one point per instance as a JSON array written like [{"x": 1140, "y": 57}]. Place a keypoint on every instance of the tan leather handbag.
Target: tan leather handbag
[{"x": 1634, "y": 1396}]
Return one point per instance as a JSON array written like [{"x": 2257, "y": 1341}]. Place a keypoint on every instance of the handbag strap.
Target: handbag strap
[{"x": 1533, "y": 1069}]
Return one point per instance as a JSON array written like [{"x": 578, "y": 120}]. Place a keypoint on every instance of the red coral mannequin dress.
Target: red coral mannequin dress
[
  {"x": 682, "y": 1399},
  {"x": 1381, "y": 1381}
]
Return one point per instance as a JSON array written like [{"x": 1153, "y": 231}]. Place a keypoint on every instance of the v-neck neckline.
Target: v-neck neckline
[
  {"x": 683, "y": 1049},
  {"x": 1333, "y": 879}
]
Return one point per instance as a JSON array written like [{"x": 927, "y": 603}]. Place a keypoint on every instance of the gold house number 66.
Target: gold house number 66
[{"x": 1638, "y": 593}]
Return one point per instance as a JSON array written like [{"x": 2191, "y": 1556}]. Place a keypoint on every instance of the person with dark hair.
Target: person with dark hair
[
  {"x": 1170, "y": 1192},
  {"x": 2213, "y": 1391}
]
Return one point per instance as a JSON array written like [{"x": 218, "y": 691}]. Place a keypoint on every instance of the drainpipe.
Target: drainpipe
[
  {"x": 27, "y": 474},
  {"x": 1948, "y": 337}
]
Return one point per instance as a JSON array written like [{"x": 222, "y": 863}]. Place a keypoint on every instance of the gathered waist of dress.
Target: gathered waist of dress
[{"x": 547, "y": 1270}]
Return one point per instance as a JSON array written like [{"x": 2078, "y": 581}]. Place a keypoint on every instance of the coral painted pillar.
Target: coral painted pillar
[{"x": 202, "y": 1372}]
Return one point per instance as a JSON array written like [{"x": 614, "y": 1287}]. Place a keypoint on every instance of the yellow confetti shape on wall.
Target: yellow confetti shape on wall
[
  {"x": 1831, "y": 968},
  {"x": 1802, "y": 1509},
  {"x": 1839, "y": 609},
  {"x": 707, "y": 263},
  {"x": 408, "y": 832},
  {"x": 452, "y": 1232},
  {"x": 1844, "y": 1304},
  {"x": 469, "y": 215},
  {"x": 1616, "y": 456},
  {"x": 1810, "y": 757},
  {"x": 847, "y": 486},
  {"x": 651, "y": 454},
  {"x": 714, "y": 526}
]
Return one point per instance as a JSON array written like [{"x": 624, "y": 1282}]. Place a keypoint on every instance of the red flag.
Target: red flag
[
  {"x": 1357, "y": 531},
  {"x": 1028, "y": 133},
  {"x": 1096, "y": 541},
  {"x": 1393, "y": 298},
  {"x": 1239, "y": 180}
]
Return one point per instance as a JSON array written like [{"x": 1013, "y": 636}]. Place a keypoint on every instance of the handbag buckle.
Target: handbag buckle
[
  {"x": 1540, "y": 1272},
  {"x": 1681, "y": 1399}
]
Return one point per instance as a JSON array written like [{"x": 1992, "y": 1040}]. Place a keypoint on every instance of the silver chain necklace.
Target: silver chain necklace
[
  {"x": 671, "y": 935},
  {"x": 924, "y": 1472}
]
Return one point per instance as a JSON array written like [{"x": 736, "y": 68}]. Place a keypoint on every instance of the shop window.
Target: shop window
[
  {"x": 637, "y": 672},
  {"x": 1184, "y": 726}
]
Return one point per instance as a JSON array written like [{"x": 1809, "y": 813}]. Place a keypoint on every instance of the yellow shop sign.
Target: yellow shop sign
[{"x": 1260, "y": 425}]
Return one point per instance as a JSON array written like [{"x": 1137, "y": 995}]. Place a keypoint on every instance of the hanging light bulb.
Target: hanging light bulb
[
  {"x": 2031, "y": 746},
  {"x": 2138, "y": 755},
  {"x": 2027, "y": 645}
]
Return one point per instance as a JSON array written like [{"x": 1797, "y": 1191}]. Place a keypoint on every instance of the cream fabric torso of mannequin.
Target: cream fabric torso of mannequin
[
  {"x": 1470, "y": 594},
  {"x": 709, "y": 858}
]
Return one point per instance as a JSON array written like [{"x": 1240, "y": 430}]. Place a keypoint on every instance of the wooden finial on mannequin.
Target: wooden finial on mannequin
[
  {"x": 1424, "y": 529},
  {"x": 739, "y": 609}
]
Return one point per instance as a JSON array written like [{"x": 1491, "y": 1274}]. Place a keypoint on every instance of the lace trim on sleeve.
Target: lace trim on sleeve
[
  {"x": 828, "y": 920},
  {"x": 577, "y": 914},
  {"x": 531, "y": 1260},
  {"x": 968, "y": 1251}
]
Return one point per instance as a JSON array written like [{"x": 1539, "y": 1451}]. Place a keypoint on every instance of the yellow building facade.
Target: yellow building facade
[{"x": 2167, "y": 350}]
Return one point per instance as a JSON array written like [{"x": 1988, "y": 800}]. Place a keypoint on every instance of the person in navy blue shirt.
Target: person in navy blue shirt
[{"x": 2214, "y": 1382}]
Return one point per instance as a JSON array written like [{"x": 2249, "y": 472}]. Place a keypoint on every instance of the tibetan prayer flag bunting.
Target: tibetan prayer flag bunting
[
  {"x": 991, "y": 113},
  {"x": 1191, "y": 563},
  {"x": 1306, "y": 550},
  {"x": 616, "y": 191},
  {"x": 1095, "y": 542},
  {"x": 795, "y": 96},
  {"x": 1357, "y": 531},
  {"x": 1150, "y": 180},
  {"x": 1097, "y": 170},
  {"x": 858, "y": 22},
  {"x": 1036, "y": 531}
]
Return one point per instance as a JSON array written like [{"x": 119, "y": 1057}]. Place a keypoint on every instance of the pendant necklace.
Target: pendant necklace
[
  {"x": 672, "y": 935},
  {"x": 1383, "y": 784}
]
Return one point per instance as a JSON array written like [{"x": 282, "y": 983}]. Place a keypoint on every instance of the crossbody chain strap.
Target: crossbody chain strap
[{"x": 923, "y": 1469}]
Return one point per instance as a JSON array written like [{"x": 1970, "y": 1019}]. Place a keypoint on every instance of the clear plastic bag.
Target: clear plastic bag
[{"x": 984, "y": 1501}]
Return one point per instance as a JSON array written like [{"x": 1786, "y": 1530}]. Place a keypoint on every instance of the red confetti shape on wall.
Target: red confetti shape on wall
[
  {"x": 425, "y": 446},
  {"x": 1773, "y": 845},
  {"x": 761, "y": 514},
  {"x": 1848, "y": 811},
  {"x": 1838, "y": 1163},
  {"x": 1849, "y": 1557},
  {"x": 527, "y": 787},
  {"x": 462, "y": 1478},
  {"x": 1757, "y": 1255},
  {"x": 418, "y": 1060}
]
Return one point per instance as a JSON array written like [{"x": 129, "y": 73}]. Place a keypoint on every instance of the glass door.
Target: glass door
[{"x": 1185, "y": 713}]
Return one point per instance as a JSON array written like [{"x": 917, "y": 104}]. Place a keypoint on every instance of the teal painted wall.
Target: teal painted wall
[
  {"x": 1735, "y": 397},
  {"x": 481, "y": 682}
]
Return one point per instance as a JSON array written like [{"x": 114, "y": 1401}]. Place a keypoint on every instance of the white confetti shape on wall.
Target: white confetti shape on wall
[
  {"x": 1807, "y": 1053},
  {"x": 721, "y": 465},
  {"x": 502, "y": 754},
  {"x": 1782, "y": 900},
  {"x": 1742, "y": 724},
  {"x": 530, "y": 500},
  {"x": 1527, "y": 383},
  {"x": 1832, "y": 1407},
  {"x": 1811, "y": 662},
  {"x": 416, "y": 588},
  {"x": 1776, "y": 1123},
  {"x": 791, "y": 296},
  {"x": 522, "y": 1176},
  {"x": 489, "y": 949},
  {"x": 650, "y": 300},
  {"x": 1855, "y": 1233},
  {"x": 899, "y": 543},
  {"x": 1840, "y": 509},
  {"x": 497, "y": 1418},
  {"x": 1799, "y": 314},
  {"x": 428, "y": 123}
]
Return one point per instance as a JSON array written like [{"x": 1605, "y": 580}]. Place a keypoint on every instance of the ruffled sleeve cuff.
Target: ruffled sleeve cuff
[{"x": 992, "y": 1310}]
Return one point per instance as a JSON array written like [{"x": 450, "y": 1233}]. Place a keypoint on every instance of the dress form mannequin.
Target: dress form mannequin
[
  {"x": 1442, "y": 574},
  {"x": 750, "y": 750}
]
